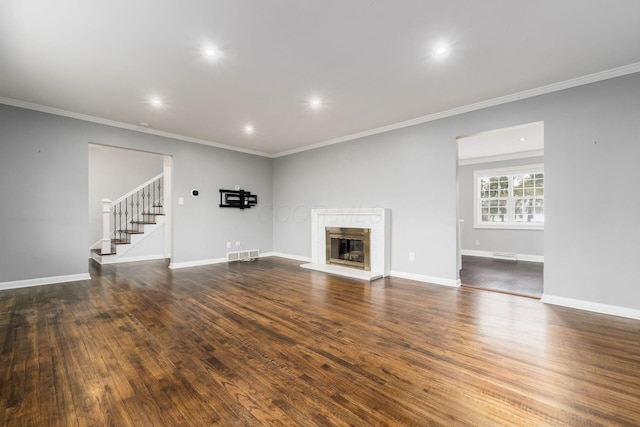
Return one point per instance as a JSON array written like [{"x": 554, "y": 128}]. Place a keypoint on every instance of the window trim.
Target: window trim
[{"x": 511, "y": 170}]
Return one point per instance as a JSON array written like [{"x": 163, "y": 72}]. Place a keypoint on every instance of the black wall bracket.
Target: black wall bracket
[{"x": 237, "y": 199}]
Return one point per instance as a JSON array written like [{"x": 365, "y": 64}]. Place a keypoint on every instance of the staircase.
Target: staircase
[{"x": 129, "y": 220}]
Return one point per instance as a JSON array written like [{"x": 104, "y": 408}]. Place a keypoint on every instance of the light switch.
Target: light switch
[{"x": 181, "y": 200}]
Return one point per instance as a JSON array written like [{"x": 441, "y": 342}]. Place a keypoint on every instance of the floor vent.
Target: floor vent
[
  {"x": 248, "y": 255},
  {"x": 505, "y": 256}
]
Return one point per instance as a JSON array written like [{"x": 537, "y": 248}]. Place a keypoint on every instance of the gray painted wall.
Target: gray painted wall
[
  {"x": 590, "y": 238},
  {"x": 592, "y": 147},
  {"x": 44, "y": 187},
  {"x": 201, "y": 228},
  {"x": 113, "y": 172},
  {"x": 522, "y": 242},
  {"x": 402, "y": 170}
]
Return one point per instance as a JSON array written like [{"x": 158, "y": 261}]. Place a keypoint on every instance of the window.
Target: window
[{"x": 509, "y": 197}]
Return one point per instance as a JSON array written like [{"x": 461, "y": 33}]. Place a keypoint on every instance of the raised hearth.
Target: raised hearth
[{"x": 375, "y": 220}]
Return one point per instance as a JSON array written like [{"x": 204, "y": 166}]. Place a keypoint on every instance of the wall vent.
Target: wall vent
[
  {"x": 505, "y": 256},
  {"x": 248, "y": 255}
]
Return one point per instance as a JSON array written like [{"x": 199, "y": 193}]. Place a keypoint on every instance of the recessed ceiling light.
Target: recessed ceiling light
[
  {"x": 156, "y": 102},
  {"x": 315, "y": 102},
  {"x": 210, "y": 52},
  {"x": 143, "y": 124},
  {"x": 248, "y": 129},
  {"x": 441, "y": 50},
  {"x": 523, "y": 139}
]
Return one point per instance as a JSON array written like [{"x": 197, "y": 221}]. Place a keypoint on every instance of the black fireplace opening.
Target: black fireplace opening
[{"x": 348, "y": 247}]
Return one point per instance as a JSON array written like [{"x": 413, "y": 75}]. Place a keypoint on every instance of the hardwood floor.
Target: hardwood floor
[
  {"x": 514, "y": 277},
  {"x": 269, "y": 343}
]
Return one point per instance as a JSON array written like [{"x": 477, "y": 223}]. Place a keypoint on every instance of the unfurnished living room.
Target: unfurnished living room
[{"x": 319, "y": 213}]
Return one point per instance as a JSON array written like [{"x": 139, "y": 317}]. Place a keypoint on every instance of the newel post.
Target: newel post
[{"x": 106, "y": 220}]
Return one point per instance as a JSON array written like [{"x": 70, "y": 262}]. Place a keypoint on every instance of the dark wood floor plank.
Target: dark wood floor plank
[
  {"x": 268, "y": 343},
  {"x": 514, "y": 277}
]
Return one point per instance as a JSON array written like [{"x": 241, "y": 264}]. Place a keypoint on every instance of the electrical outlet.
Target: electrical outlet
[
  {"x": 477, "y": 242},
  {"x": 228, "y": 245},
  {"x": 237, "y": 244},
  {"x": 412, "y": 256}
]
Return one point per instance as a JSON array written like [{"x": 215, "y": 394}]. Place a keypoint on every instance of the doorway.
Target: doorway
[
  {"x": 114, "y": 172},
  {"x": 501, "y": 209}
]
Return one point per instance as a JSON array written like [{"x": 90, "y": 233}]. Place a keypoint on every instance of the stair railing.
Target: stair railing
[{"x": 128, "y": 214}]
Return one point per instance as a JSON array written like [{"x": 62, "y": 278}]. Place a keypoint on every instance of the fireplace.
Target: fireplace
[
  {"x": 377, "y": 222},
  {"x": 349, "y": 247}
]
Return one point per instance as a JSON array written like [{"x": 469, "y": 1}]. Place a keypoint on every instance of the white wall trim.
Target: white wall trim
[
  {"x": 612, "y": 310},
  {"x": 426, "y": 279},
  {"x": 489, "y": 254},
  {"x": 187, "y": 264},
  {"x": 400, "y": 274},
  {"x": 44, "y": 281},
  {"x": 106, "y": 259},
  {"x": 567, "y": 84},
  {"x": 121, "y": 125},
  {"x": 287, "y": 256}
]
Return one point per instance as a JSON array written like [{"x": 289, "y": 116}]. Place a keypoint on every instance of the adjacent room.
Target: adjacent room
[
  {"x": 501, "y": 206},
  {"x": 319, "y": 213}
]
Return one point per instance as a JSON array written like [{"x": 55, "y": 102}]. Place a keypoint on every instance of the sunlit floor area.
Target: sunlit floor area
[
  {"x": 515, "y": 277},
  {"x": 270, "y": 343}
]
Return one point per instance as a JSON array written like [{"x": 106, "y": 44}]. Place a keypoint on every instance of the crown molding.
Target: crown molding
[
  {"x": 122, "y": 125},
  {"x": 555, "y": 87},
  {"x": 567, "y": 84}
]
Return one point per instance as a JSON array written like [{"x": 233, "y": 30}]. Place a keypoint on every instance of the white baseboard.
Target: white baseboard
[
  {"x": 595, "y": 307},
  {"x": 426, "y": 279},
  {"x": 410, "y": 276},
  {"x": 489, "y": 254},
  {"x": 106, "y": 259},
  {"x": 176, "y": 265},
  {"x": 44, "y": 281},
  {"x": 288, "y": 256}
]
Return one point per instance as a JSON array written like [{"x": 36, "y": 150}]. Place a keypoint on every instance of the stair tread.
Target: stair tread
[
  {"x": 130, "y": 231},
  {"x": 110, "y": 253},
  {"x": 142, "y": 222},
  {"x": 151, "y": 213},
  {"x": 99, "y": 252}
]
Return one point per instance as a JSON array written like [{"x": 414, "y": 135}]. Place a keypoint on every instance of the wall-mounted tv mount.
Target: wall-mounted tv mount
[{"x": 237, "y": 199}]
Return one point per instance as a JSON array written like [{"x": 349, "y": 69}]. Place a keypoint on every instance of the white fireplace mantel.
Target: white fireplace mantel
[{"x": 378, "y": 220}]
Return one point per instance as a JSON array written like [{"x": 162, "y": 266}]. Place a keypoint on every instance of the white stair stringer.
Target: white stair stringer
[{"x": 136, "y": 239}]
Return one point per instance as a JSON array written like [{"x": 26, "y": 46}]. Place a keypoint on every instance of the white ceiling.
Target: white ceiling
[
  {"x": 521, "y": 141},
  {"x": 370, "y": 61}
]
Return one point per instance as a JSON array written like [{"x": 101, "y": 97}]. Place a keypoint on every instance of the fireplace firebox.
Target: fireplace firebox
[{"x": 349, "y": 247}]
